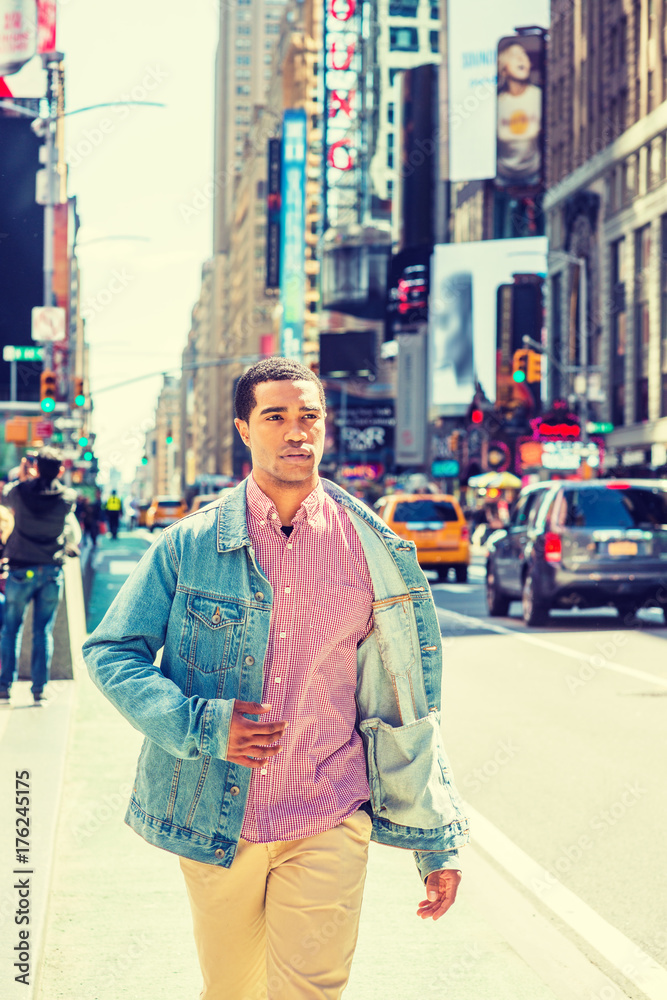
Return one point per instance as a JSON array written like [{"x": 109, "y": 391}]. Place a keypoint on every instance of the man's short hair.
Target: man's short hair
[
  {"x": 271, "y": 370},
  {"x": 49, "y": 461}
]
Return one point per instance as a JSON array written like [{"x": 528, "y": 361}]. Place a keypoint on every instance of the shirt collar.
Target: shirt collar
[{"x": 261, "y": 507}]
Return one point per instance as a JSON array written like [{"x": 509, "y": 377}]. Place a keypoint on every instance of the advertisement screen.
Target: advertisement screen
[
  {"x": 293, "y": 234},
  {"x": 474, "y": 30},
  {"x": 347, "y": 355},
  {"x": 463, "y": 306},
  {"x": 519, "y": 133}
]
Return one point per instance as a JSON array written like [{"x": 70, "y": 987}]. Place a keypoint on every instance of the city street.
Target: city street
[{"x": 556, "y": 741}]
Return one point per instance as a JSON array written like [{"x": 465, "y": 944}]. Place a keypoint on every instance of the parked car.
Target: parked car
[
  {"x": 201, "y": 500},
  {"x": 435, "y": 523},
  {"x": 142, "y": 512},
  {"x": 164, "y": 511},
  {"x": 594, "y": 543}
]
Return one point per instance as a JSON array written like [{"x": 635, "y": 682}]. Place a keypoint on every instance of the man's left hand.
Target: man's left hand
[{"x": 441, "y": 889}]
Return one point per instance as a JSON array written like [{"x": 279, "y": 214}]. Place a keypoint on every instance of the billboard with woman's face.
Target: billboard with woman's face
[
  {"x": 519, "y": 133},
  {"x": 465, "y": 278}
]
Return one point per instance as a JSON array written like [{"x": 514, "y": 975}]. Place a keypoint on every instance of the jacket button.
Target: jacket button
[
  {"x": 220, "y": 853},
  {"x": 249, "y": 660},
  {"x": 234, "y": 790},
  {"x": 259, "y": 595}
]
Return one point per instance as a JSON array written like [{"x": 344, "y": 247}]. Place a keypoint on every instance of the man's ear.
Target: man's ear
[{"x": 242, "y": 428}]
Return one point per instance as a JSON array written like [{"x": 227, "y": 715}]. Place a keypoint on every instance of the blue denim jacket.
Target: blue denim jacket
[{"x": 200, "y": 596}]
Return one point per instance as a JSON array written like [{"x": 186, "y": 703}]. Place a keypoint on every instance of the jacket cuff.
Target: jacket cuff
[
  {"x": 436, "y": 861},
  {"x": 215, "y": 730}
]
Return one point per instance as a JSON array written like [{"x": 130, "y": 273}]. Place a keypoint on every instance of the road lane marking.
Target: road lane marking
[
  {"x": 623, "y": 954},
  {"x": 595, "y": 659}
]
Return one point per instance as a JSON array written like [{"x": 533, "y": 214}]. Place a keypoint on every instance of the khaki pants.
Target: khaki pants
[{"x": 282, "y": 922}]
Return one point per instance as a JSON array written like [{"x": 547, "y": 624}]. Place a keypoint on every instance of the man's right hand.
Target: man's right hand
[{"x": 249, "y": 741}]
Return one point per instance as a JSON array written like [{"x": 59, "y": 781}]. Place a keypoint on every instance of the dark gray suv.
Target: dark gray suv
[{"x": 583, "y": 544}]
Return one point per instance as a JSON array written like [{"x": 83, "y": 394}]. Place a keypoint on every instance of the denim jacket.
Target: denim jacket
[{"x": 200, "y": 596}]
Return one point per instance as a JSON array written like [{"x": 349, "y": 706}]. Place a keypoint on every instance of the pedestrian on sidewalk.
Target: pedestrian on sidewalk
[
  {"x": 113, "y": 508},
  {"x": 295, "y": 710},
  {"x": 45, "y": 532}
]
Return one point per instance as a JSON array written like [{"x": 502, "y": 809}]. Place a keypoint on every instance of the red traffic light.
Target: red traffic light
[{"x": 477, "y": 416}]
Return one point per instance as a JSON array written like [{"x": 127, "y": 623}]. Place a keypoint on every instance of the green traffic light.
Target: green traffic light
[
  {"x": 170, "y": 439},
  {"x": 87, "y": 455},
  {"x": 519, "y": 376},
  {"x": 79, "y": 400},
  {"x": 83, "y": 441},
  {"x": 48, "y": 405},
  {"x": 144, "y": 461}
]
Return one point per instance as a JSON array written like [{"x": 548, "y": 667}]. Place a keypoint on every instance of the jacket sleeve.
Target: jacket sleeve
[
  {"x": 120, "y": 656},
  {"x": 436, "y": 861}
]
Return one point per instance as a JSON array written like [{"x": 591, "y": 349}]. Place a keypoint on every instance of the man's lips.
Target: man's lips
[{"x": 296, "y": 454}]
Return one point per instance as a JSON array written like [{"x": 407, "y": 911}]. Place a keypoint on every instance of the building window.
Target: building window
[
  {"x": 618, "y": 333},
  {"x": 623, "y": 41},
  {"x": 392, "y": 74},
  {"x": 650, "y": 95},
  {"x": 390, "y": 113},
  {"x": 403, "y": 40},
  {"x": 434, "y": 39},
  {"x": 642, "y": 325},
  {"x": 390, "y": 161},
  {"x": 435, "y": 13},
  {"x": 613, "y": 45},
  {"x": 243, "y": 89},
  {"x": 243, "y": 60},
  {"x": 403, "y": 8},
  {"x": 663, "y": 316}
]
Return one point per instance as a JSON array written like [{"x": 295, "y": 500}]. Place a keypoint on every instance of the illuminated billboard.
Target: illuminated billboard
[
  {"x": 293, "y": 234},
  {"x": 519, "y": 130},
  {"x": 463, "y": 305},
  {"x": 343, "y": 88},
  {"x": 474, "y": 29}
]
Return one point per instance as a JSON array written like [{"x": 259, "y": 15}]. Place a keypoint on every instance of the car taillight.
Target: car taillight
[
  {"x": 618, "y": 486},
  {"x": 465, "y": 533},
  {"x": 553, "y": 550}
]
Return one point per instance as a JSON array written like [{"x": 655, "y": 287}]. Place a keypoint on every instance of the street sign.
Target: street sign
[
  {"x": 43, "y": 429},
  {"x": 594, "y": 427},
  {"x": 444, "y": 468},
  {"x": 66, "y": 423},
  {"x": 48, "y": 323},
  {"x": 22, "y": 353}
]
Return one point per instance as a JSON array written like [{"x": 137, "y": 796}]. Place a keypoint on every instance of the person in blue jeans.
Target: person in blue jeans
[{"x": 45, "y": 532}]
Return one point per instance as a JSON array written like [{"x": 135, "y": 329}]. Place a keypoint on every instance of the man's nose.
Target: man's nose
[{"x": 295, "y": 432}]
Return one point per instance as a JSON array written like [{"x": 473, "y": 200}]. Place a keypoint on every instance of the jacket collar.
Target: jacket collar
[{"x": 233, "y": 529}]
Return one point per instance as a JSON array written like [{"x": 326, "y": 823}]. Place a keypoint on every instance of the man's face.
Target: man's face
[{"x": 285, "y": 432}]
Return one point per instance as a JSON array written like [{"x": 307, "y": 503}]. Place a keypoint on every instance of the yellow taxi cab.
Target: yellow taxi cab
[
  {"x": 164, "y": 511},
  {"x": 142, "y": 511},
  {"x": 201, "y": 500},
  {"x": 435, "y": 523}
]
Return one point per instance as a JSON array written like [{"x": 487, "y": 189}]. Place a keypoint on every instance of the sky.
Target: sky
[{"x": 142, "y": 172}]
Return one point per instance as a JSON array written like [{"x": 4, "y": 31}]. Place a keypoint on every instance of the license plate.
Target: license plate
[{"x": 622, "y": 548}]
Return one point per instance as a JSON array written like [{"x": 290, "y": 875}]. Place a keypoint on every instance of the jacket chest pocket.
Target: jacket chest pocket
[{"x": 211, "y": 634}]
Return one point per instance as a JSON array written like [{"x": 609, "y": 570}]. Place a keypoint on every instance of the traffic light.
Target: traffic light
[
  {"x": 83, "y": 441},
  {"x": 144, "y": 460},
  {"x": 477, "y": 416},
  {"x": 47, "y": 391},
  {"x": 170, "y": 437},
  {"x": 520, "y": 365},
  {"x": 534, "y": 372},
  {"x": 79, "y": 394}
]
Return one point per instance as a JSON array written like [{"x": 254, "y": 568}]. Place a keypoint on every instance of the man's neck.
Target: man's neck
[
  {"x": 287, "y": 497},
  {"x": 517, "y": 87}
]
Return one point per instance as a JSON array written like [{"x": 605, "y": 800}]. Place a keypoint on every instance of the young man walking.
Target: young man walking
[
  {"x": 45, "y": 529},
  {"x": 294, "y": 713}
]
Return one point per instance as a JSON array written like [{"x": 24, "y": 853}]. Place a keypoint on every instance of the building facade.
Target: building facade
[{"x": 606, "y": 211}]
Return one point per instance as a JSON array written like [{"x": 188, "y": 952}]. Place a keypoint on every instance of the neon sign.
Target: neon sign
[{"x": 342, "y": 103}]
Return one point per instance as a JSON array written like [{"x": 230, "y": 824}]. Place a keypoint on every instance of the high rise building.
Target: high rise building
[
  {"x": 404, "y": 34},
  {"x": 607, "y": 220},
  {"x": 248, "y": 37}
]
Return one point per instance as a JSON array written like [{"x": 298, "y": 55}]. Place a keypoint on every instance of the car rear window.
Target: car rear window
[
  {"x": 616, "y": 508},
  {"x": 169, "y": 503},
  {"x": 425, "y": 511}
]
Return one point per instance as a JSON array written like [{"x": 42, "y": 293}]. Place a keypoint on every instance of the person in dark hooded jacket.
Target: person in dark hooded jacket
[{"x": 45, "y": 531}]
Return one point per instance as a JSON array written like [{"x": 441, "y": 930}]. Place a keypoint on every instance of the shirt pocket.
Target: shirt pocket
[{"x": 212, "y": 632}]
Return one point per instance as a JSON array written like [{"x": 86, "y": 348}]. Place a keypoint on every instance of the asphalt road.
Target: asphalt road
[{"x": 557, "y": 737}]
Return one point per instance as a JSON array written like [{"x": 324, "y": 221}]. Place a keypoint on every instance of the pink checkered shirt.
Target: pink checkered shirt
[{"x": 322, "y": 609}]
